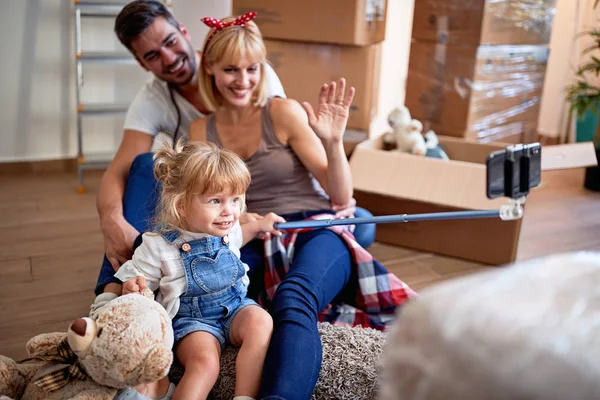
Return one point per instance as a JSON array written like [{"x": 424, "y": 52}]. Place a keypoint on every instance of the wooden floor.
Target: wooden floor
[{"x": 51, "y": 247}]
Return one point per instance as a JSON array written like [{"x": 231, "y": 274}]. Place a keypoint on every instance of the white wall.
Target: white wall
[
  {"x": 37, "y": 79},
  {"x": 394, "y": 63},
  {"x": 189, "y": 12}
]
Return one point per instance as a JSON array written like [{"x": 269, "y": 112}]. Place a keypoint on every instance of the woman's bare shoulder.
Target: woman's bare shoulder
[{"x": 286, "y": 111}]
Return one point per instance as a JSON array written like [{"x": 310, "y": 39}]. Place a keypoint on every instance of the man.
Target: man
[{"x": 167, "y": 103}]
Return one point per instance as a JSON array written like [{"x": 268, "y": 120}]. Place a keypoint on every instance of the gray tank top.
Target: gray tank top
[{"x": 280, "y": 182}]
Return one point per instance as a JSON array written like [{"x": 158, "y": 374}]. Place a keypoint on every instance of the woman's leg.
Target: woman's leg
[
  {"x": 320, "y": 271},
  {"x": 251, "y": 330},
  {"x": 199, "y": 353},
  {"x": 364, "y": 233},
  {"x": 139, "y": 204}
]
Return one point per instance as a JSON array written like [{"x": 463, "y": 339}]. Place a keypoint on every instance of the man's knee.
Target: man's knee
[{"x": 143, "y": 162}]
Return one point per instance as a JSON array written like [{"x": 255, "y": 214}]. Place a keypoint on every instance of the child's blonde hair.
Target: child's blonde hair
[
  {"x": 195, "y": 168},
  {"x": 229, "y": 46}
]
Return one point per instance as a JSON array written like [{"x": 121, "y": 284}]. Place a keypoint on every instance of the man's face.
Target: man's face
[{"x": 166, "y": 52}]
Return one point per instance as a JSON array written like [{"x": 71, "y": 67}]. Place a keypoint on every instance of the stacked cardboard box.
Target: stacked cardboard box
[
  {"x": 477, "y": 67},
  {"x": 312, "y": 42}
]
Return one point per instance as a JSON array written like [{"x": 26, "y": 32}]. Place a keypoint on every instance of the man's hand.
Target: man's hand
[
  {"x": 135, "y": 285},
  {"x": 119, "y": 236}
]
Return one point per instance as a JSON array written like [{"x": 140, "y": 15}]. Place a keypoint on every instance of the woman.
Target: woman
[{"x": 285, "y": 147}]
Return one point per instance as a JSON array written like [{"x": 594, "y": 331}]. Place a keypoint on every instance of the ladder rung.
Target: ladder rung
[
  {"x": 102, "y": 108},
  {"x": 96, "y": 56},
  {"x": 98, "y": 9}
]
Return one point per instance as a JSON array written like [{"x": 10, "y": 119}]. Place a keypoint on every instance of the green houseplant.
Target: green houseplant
[
  {"x": 584, "y": 98},
  {"x": 584, "y": 95}
]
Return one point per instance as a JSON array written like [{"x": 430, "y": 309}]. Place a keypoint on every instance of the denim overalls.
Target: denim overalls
[{"x": 215, "y": 291}]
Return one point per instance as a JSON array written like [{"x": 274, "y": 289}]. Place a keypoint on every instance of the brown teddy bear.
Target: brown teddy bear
[
  {"x": 127, "y": 344},
  {"x": 130, "y": 341}
]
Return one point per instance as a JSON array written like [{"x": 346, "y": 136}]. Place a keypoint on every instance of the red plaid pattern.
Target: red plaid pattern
[{"x": 379, "y": 292}]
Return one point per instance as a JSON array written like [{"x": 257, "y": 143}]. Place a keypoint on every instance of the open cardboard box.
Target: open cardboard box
[{"x": 389, "y": 182}]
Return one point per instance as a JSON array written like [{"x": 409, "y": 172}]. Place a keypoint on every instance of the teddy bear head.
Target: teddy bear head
[
  {"x": 129, "y": 342},
  {"x": 400, "y": 118}
]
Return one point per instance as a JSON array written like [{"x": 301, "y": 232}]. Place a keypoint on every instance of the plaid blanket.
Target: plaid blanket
[{"x": 379, "y": 292}]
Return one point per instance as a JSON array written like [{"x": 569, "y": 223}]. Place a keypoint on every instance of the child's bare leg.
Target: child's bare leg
[
  {"x": 199, "y": 353},
  {"x": 251, "y": 330}
]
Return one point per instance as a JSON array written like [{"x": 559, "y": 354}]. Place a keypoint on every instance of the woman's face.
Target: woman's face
[{"x": 236, "y": 83}]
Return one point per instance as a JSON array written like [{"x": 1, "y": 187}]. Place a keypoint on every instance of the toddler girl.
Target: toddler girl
[{"x": 193, "y": 259}]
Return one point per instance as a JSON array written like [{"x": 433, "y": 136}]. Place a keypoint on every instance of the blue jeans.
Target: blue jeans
[
  {"x": 319, "y": 274},
  {"x": 142, "y": 192}
]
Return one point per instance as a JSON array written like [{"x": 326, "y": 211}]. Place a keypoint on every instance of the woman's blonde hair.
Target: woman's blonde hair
[
  {"x": 229, "y": 46},
  {"x": 195, "y": 168}
]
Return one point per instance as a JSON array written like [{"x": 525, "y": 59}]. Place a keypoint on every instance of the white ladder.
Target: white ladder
[{"x": 94, "y": 9}]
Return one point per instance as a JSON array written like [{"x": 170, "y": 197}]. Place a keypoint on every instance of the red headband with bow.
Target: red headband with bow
[{"x": 217, "y": 25}]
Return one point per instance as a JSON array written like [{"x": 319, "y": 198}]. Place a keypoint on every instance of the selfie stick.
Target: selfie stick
[
  {"x": 517, "y": 169},
  {"x": 507, "y": 212}
]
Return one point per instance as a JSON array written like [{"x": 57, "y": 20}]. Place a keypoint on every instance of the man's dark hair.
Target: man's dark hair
[{"x": 137, "y": 16}]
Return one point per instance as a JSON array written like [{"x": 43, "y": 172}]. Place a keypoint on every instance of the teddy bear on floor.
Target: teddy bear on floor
[
  {"x": 407, "y": 134},
  {"x": 127, "y": 344}
]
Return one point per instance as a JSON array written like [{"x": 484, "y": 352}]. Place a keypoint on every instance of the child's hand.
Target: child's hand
[
  {"x": 135, "y": 285},
  {"x": 249, "y": 217},
  {"x": 266, "y": 224}
]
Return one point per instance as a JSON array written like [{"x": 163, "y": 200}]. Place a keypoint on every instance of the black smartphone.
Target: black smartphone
[{"x": 514, "y": 171}]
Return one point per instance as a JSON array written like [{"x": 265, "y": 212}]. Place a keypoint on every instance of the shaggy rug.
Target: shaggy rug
[{"x": 350, "y": 370}]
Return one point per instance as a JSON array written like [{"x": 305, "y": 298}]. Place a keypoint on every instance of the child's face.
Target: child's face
[
  {"x": 236, "y": 83},
  {"x": 213, "y": 213}
]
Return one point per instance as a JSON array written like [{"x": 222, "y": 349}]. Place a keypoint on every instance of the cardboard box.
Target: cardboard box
[
  {"x": 468, "y": 91},
  {"x": 516, "y": 132},
  {"x": 389, "y": 182},
  {"x": 350, "y": 22},
  {"x": 304, "y": 67},
  {"x": 352, "y": 138},
  {"x": 513, "y": 132},
  {"x": 474, "y": 22}
]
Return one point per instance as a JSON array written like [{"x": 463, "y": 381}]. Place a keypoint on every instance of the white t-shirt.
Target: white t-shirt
[
  {"x": 159, "y": 261},
  {"x": 152, "y": 110}
]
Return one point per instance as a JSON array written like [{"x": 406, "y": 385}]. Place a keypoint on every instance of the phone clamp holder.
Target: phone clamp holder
[{"x": 513, "y": 210}]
